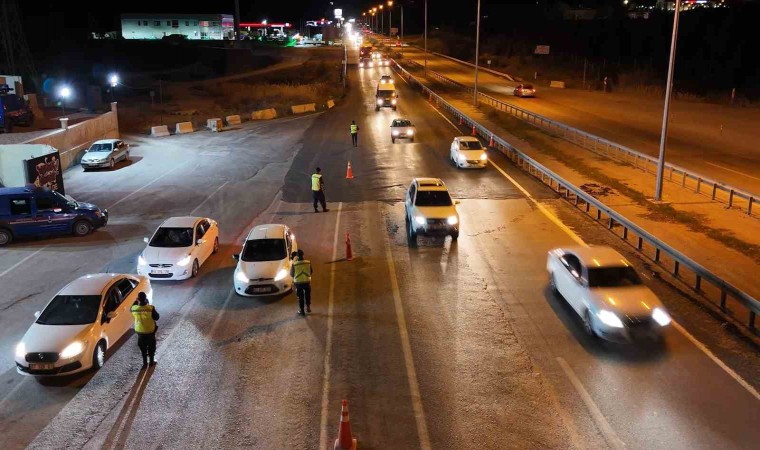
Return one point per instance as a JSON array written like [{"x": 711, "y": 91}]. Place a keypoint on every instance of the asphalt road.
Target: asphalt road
[
  {"x": 714, "y": 140},
  {"x": 449, "y": 345}
]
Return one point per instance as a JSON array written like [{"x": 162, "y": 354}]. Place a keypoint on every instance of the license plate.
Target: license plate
[
  {"x": 260, "y": 290},
  {"x": 436, "y": 226},
  {"x": 48, "y": 366},
  {"x": 159, "y": 272}
]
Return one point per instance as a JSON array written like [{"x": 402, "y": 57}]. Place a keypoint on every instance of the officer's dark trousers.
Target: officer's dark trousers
[
  {"x": 303, "y": 291},
  {"x": 319, "y": 196},
  {"x": 355, "y": 139},
  {"x": 147, "y": 344}
]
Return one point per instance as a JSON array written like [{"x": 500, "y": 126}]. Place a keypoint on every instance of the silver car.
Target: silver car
[{"x": 105, "y": 153}]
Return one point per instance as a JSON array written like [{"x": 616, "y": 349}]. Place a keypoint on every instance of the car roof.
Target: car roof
[
  {"x": 430, "y": 184},
  {"x": 467, "y": 138},
  {"x": 180, "y": 222},
  {"x": 15, "y": 190},
  {"x": 267, "y": 231},
  {"x": 399, "y": 119},
  {"x": 598, "y": 256},
  {"x": 106, "y": 141},
  {"x": 92, "y": 284}
]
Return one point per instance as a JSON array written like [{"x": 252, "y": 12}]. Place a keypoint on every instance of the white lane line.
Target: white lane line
[
  {"x": 609, "y": 434},
  {"x": 12, "y": 391},
  {"x": 717, "y": 361},
  {"x": 411, "y": 373},
  {"x": 328, "y": 343},
  {"x": 9, "y": 269},
  {"x": 207, "y": 198},
  {"x": 140, "y": 189},
  {"x": 218, "y": 318},
  {"x": 732, "y": 170}
]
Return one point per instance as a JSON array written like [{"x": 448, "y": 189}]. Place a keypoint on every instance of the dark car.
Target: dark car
[
  {"x": 31, "y": 212},
  {"x": 14, "y": 110}
]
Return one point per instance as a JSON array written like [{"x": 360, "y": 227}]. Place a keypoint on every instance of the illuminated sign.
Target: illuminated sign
[{"x": 338, "y": 13}]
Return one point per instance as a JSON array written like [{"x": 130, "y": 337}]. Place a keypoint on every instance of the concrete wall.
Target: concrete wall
[{"x": 72, "y": 141}]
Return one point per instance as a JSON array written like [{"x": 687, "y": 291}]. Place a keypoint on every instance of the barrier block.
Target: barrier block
[
  {"x": 183, "y": 127},
  {"x": 330, "y": 104},
  {"x": 557, "y": 84},
  {"x": 233, "y": 120},
  {"x": 159, "y": 131},
  {"x": 214, "y": 124},
  {"x": 264, "y": 114},
  {"x": 300, "y": 109}
]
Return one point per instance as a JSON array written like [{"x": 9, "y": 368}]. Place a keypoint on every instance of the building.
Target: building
[{"x": 192, "y": 26}]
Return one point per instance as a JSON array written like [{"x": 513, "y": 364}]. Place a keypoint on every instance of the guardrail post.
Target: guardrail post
[
  {"x": 698, "y": 283},
  {"x": 723, "y": 300},
  {"x": 656, "y": 254},
  {"x": 598, "y": 214},
  {"x": 671, "y": 173},
  {"x": 683, "y": 179},
  {"x": 588, "y": 206},
  {"x": 625, "y": 233},
  {"x": 730, "y": 198},
  {"x": 640, "y": 244},
  {"x": 576, "y": 200},
  {"x": 752, "y": 320},
  {"x": 699, "y": 183},
  {"x": 749, "y": 206},
  {"x": 676, "y": 266},
  {"x": 715, "y": 188},
  {"x": 610, "y": 223}
]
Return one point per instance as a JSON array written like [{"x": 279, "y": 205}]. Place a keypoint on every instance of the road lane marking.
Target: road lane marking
[
  {"x": 601, "y": 422},
  {"x": 411, "y": 373},
  {"x": 9, "y": 269},
  {"x": 328, "y": 343},
  {"x": 732, "y": 170},
  {"x": 140, "y": 189},
  {"x": 207, "y": 198}
]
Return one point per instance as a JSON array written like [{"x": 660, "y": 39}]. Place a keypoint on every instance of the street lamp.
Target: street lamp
[
  {"x": 477, "y": 51},
  {"x": 390, "y": 19},
  {"x": 382, "y": 20},
  {"x": 113, "y": 80},
  {"x": 64, "y": 93}
]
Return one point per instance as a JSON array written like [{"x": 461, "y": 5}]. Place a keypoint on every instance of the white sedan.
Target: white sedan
[
  {"x": 76, "y": 328},
  {"x": 178, "y": 248},
  {"x": 264, "y": 262},
  {"x": 607, "y": 293},
  {"x": 468, "y": 152}
]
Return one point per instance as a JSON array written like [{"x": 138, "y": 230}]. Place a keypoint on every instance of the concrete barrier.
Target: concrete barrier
[
  {"x": 233, "y": 120},
  {"x": 300, "y": 109},
  {"x": 557, "y": 84},
  {"x": 214, "y": 124},
  {"x": 159, "y": 131},
  {"x": 264, "y": 114},
  {"x": 183, "y": 127},
  {"x": 330, "y": 104}
]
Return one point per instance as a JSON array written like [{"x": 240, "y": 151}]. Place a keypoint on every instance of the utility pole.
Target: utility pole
[
  {"x": 402, "y": 31},
  {"x": 666, "y": 112},
  {"x": 237, "y": 20},
  {"x": 477, "y": 55}
]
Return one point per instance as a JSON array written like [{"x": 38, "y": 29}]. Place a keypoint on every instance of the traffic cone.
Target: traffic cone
[
  {"x": 349, "y": 171},
  {"x": 345, "y": 439},
  {"x": 349, "y": 253},
  {"x": 474, "y": 132},
  {"x": 490, "y": 143}
]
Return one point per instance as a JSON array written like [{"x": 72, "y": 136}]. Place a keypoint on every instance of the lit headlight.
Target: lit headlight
[
  {"x": 452, "y": 220},
  {"x": 184, "y": 261},
  {"x": 461, "y": 158},
  {"x": 240, "y": 276},
  {"x": 141, "y": 261},
  {"x": 420, "y": 220},
  {"x": 20, "y": 350},
  {"x": 393, "y": 102},
  {"x": 371, "y": 64},
  {"x": 361, "y": 64},
  {"x": 609, "y": 318},
  {"x": 389, "y": 81},
  {"x": 394, "y": 132},
  {"x": 661, "y": 317},
  {"x": 72, "y": 350},
  {"x": 379, "y": 101},
  {"x": 484, "y": 157},
  {"x": 281, "y": 274},
  {"x": 409, "y": 132}
]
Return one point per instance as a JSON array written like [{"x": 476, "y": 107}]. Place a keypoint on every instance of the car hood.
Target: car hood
[
  {"x": 472, "y": 154},
  {"x": 86, "y": 207},
  {"x": 164, "y": 255},
  {"x": 633, "y": 301},
  {"x": 95, "y": 156},
  {"x": 262, "y": 269},
  {"x": 53, "y": 338},
  {"x": 437, "y": 212}
]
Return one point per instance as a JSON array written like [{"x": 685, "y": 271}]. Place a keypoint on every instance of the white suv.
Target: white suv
[
  {"x": 468, "y": 152},
  {"x": 430, "y": 211}
]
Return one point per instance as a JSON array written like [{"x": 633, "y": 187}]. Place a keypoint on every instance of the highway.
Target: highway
[
  {"x": 447, "y": 345},
  {"x": 716, "y": 141}
]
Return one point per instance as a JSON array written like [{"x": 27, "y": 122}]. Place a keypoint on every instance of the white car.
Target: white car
[
  {"x": 402, "y": 129},
  {"x": 607, "y": 293},
  {"x": 178, "y": 248},
  {"x": 430, "y": 211},
  {"x": 105, "y": 153},
  {"x": 263, "y": 266},
  {"x": 76, "y": 328},
  {"x": 468, "y": 152}
]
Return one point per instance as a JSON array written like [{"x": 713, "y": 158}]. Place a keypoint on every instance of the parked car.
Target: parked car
[
  {"x": 525, "y": 90},
  {"x": 105, "y": 153},
  {"x": 263, "y": 266},
  {"x": 14, "y": 110},
  {"x": 34, "y": 212},
  {"x": 178, "y": 248}
]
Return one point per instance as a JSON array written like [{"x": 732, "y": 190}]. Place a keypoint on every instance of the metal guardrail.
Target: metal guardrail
[
  {"x": 716, "y": 190},
  {"x": 725, "y": 291}
]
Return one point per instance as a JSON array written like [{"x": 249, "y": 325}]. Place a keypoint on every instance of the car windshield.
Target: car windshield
[
  {"x": 71, "y": 310},
  {"x": 402, "y": 123},
  {"x": 470, "y": 145},
  {"x": 100, "y": 148},
  {"x": 172, "y": 237},
  {"x": 264, "y": 250},
  {"x": 613, "y": 277},
  {"x": 65, "y": 200},
  {"x": 433, "y": 198}
]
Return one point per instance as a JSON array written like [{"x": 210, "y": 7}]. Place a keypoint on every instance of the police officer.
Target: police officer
[
  {"x": 145, "y": 316},
  {"x": 354, "y": 133},
  {"x": 317, "y": 190},
  {"x": 301, "y": 271}
]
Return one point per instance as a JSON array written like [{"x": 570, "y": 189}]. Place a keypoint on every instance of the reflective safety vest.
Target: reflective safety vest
[
  {"x": 316, "y": 182},
  {"x": 144, "y": 323},
  {"x": 354, "y": 129},
  {"x": 302, "y": 271}
]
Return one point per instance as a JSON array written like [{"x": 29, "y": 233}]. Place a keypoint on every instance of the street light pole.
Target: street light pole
[
  {"x": 666, "y": 112},
  {"x": 390, "y": 20},
  {"x": 402, "y": 28},
  {"x": 477, "y": 54},
  {"x": 426, "y": 55}
]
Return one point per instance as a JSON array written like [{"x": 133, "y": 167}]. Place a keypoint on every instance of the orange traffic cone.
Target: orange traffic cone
[
  {"x": 349, "y": 253},
  {"x": 345, "y": 439},
  {"x": 349, "y": 171},
  {"x": 490, "y": 143},
  {"x": 474, "y": 132}
]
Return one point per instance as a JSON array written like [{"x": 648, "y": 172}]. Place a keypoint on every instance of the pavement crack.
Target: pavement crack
[{"x": 18, "y": 300}]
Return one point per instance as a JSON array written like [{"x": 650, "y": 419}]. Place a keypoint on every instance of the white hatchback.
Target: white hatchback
[
  {"x": 76, "y": 328},
  {"x": 468, "y": 152},
  {"x": 178, "y": 248},
  {"x": 264, "y": 262}
]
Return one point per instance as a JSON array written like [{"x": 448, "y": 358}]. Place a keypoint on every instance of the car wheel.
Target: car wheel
[
  {"x": 455, "y": 236},
  {"x": 377, "y": 109},
  {"x": 99, "y": 356},
  {"x": 411, "y": 140},
  {"x": 588, "y": 325},
  {"x": 411, "y": 236},
  {"x": 126, "y": 157},
  {"x": 553, "y": 283},
  {"x": 194, "y": 273},
  {"x": 112, "y": 164},
  {"x": 216, "y": 246},
  {"x": 82, "y": 228},
  {"x": 5, "y": 236},
  {"x": 393, "y": 141}
]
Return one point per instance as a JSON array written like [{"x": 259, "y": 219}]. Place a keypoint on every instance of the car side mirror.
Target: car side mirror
[
  {"x": 111, "y": 315},
  {"x": 199, "y": 241},
  {"x": 236, "y": 257},
  {"x": 37, "y": 314},
  {"x": 146, "y": 240}
]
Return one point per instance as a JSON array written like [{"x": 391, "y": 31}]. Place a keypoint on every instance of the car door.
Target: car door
[
  {"x": 21, "y": 220},
  {"x": 569, "y": 281},
  {"x": 123, "y": 320},
  {"x": 454, "y": 149},
  {"x": 410, "y": 201},
  {"x": 113, "y": 327},
  {"x": 203, "y": 250},
  {"x": 120, "y": 149},
  {"x": 50, "y": 215}
]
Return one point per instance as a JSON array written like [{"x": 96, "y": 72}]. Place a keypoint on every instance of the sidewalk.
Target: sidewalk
[{"x": 725, "y": 241}]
